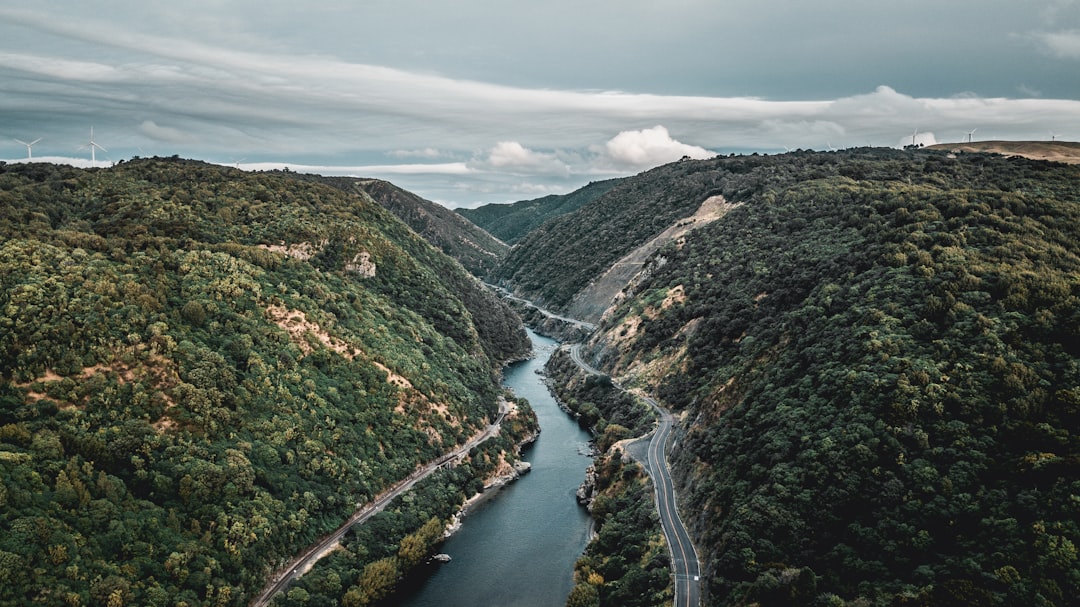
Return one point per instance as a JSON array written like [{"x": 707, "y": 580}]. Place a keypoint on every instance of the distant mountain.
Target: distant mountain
[
  {"x": 875, "y": 357},
  {"x": 203, "y": 370},
  {"x": 448, "y": 231},
  {"x": 1057, "y": 151},
  {"x": 510, "y": 222}
]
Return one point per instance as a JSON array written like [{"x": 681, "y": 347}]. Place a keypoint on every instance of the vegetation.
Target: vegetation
[
  {"x": 376, "y": 558},
  {"x": 553, "y": 263},
  {"x": 203, "y": 370},
  {"x": 547, "y": 265},
  {"x": 607, "y": 412},
  {"x": 627, "y": 564},
  {"x": 476, "y": 250},
  {"x": 879, "y": 351},
  {"x": 547, "y": 325},
  {"x": 500, "y": 329},
  {"x": 511, "y": 222}
]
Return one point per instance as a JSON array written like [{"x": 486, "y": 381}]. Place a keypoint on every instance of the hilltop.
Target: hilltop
[{"x": 1056, "y": 151}]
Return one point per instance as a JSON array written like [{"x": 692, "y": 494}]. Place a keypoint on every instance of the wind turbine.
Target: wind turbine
[
  {"x": 913, "y": 133},
  {"x": 29, "y": 147},
  {"x": 92, "y": 144},
  {"x": 970, "y": 133}
]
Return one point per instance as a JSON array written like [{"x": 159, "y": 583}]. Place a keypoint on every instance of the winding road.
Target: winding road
[
  {"x": 301, "y": 563},
  {"x": 588, "y": 326},
  {"x": 684, "y": 558}
]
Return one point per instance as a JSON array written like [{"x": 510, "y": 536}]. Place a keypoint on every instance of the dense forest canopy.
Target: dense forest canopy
[
  {"x": 511, "y": 222},
  {"x": 878, "y": 355},
  {"x": 203, "y": 370},
  {"x": 559, "y": 259},
  {"x": 476, "y": 250}
]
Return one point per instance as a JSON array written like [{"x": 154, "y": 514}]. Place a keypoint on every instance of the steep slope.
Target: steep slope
[
  {"x": 557, "y": 261},
  {"x": 511, "y": 222},
  {"x": 590, "y": 303},
  {"x": 202, "y": 370},
  {"x": 446, "y": 230},
  {"x": 878, "y": 365},
  {"x": 500, "y": 329}
]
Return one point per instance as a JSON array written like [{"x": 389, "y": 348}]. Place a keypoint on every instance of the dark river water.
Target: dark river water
[{"x": 518, "y": 548}]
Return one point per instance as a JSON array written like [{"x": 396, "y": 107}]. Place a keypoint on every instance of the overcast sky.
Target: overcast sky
[{"x": 473, "y": 101}]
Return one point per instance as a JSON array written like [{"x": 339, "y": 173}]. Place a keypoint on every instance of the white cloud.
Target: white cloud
[
  {"x": 883, "y": 103},
  {"x": 57, "y": 67},
  {"x": 1063, "y": 44},
  {"x": 648, "y": 148},
  {"x": 369, "y": 170},
  {"x": 512, "y": 157},
  {"x": 81, "y": 163}
]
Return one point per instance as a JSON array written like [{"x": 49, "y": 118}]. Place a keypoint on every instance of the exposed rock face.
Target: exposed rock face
[
  {"x": 587, "y": 491},
  {"x": 505, "y": 474}
]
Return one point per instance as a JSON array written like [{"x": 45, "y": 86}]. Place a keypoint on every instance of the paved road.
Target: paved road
[
  {"x": 588, "y": 326},
  {"x": 302, "y": 562},
  {"x": 684, "y": 559}
]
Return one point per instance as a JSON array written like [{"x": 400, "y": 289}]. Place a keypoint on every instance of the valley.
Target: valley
[{"x": 859, "y": 368}]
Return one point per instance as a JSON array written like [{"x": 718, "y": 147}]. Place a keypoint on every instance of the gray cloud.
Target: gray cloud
[
  {"x": 486, "y": 102},
  {"x": 1062, "y": 44},
  {"x": 429, "y": 153},
  {"x": 164, "y": 133}
]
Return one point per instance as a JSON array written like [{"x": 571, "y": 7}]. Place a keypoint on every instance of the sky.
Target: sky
[{"x": 468, "y": 102}]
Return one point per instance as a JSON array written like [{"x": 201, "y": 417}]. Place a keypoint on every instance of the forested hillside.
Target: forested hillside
[
  {"x": 446, "y": 230},
  {"x": 511, "y": 222},
  {"x": 203, "y": 370},
  {"x": 558, "y": 260},
  {"x": 878, "y": 355}
]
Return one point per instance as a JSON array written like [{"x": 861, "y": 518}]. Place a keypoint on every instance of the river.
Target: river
[{"x": 518, "y": 548}]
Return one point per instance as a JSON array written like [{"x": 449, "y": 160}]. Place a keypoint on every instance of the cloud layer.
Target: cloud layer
[{"x": 303, "y": 89}]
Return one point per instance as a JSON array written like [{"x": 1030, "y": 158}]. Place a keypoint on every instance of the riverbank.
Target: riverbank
[
  {"x": 519, "y": 541},
  {"x": 362, "y": 563},
  {"x": 504, "y": 474},
  {"x": 627, "y": 562}
]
